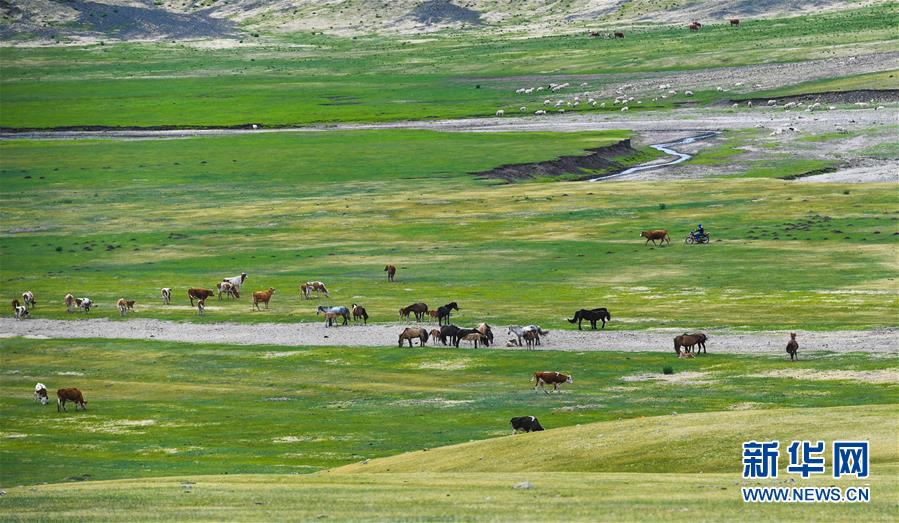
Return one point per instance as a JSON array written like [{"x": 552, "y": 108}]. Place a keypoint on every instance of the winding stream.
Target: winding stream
[{"x": 666, "y": 148}]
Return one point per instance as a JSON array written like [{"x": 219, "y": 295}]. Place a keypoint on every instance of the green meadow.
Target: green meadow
[
  {"x": 110, "y": 219},
  {"x": 304, "y": 78},
  {"x": 160, "y": 409}
]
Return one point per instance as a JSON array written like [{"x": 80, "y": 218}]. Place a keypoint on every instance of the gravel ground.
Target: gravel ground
[{"x": 884, "y": 341}]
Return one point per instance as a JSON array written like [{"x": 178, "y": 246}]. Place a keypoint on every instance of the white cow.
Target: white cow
[{"x": 236, "y": 281}]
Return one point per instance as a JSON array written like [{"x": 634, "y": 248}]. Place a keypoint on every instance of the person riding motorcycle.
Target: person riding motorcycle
[{"x": 699, "y": 233}]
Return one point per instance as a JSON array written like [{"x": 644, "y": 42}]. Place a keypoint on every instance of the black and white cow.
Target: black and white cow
[
  {"x": 20, "y": 310},
  {"x": 40, "y": 394},
  {"x": 166, "y": 295},
  {"x": 28, "y": 299},
  {"x": 525, "y": 423}
]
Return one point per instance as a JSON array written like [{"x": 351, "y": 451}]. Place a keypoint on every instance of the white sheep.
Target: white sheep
[
  {"x": 624, "y": 109},
  {"x": 540, "y": 112},
  {"x": 522, "y": 108},
  {"x": 772, "y": 102},
  {"x": 500, "y": 113},
  {"x": 688, "y": 93}
]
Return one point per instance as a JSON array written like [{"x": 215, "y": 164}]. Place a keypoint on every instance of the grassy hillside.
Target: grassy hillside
[
  {"x": 163, "y": 409},
  {"x": 693, "y": 443},
  {"x": 585, "y": 497},
  {"x": 109, "y": 219},
  {"x": 303, "y": 78}
]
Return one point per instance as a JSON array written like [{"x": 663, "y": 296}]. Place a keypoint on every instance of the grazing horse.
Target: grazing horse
[
  {"x": 519, "y": 332},
  {"x": 450, "y": 332},
  {"x": 553, "y": 378},
  {"x": 443, "y": 312},
  {"x": 793, "y": 347},
  {"x": 487, "y": 332},
  {"x": 74, "y": 395},
  {"x": 459, "y": 334},
  {"x": 411, "y": 333},
  {"x": 391, "y": 272},
  {"x": 734, "y": 21},
  {"x": 418, "y": 309},
  {"x": 530, "y": 338},
  {"x": 40, "y": 394},
  {"x": 359, "y": 312},
  {"x": 475, "y": 337},
  {"x": 339, "y": 311},
  {"x": 262, "y": 297},
  {"x": 688, "y": 341},
  {"x": 659, "y": 234},
  {"x": 435, "y": 335},
  {"x": 306, "y": 289},
  {"x": 591, "y": 315}
]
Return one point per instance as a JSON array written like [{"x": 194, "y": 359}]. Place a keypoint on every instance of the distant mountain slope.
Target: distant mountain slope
[{"x": 158, "y": 19}]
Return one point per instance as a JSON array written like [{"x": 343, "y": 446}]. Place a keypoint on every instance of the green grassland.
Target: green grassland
[
  {"x": 110, "y": 219},
  {"x": 164, "y": 409},
  {"x": 436, "y": 497},
  {"x": 305, "y": 78}
]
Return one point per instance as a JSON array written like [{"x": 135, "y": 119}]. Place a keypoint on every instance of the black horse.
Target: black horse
[
  {"x": 461, "y": 333},
  {"x": 443, "y": 313},
  {"x": 591, "y": 315},
  {"x": 449, "y": 332}
]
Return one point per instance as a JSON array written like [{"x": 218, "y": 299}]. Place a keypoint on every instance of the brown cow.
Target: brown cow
[
  {"x": 793, "y": 347},
  {"x": 619, "y": 34},
  {"x": 199, "y": 294},
  {"x": 262, "y": 297},
  {"x": 391, "y": 272},
  {"x": 410, "y": 333},
  {"x": 658, "y": 234},
  {"x": 695, "y": 26},
  {"x": 553, "y": 378},
  {"x": 734, "y": 21},
  {"x": 688, "y": 341},
  {"x": 74, "y": 395},
  {"x": 122, "y": 306}
]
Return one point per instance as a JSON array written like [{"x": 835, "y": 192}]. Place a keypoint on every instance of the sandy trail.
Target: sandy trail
[{"x": 884, "y": 341}]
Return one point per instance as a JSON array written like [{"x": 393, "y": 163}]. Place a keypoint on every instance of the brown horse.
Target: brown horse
[
  {"x": 658, "y": 234},
  {"x": 359, "y": 312},
  {"x": 688, "y": 341},
  {"x": 391, "y": 272},
  {"x": 411, "y": 333},
  {"x": 418, "y": 309}
]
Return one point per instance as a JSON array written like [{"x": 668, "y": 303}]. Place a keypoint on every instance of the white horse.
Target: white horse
[{"x": 518, "y": 331}]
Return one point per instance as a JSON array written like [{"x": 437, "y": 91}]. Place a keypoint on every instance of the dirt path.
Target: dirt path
[{"x": 885, "y": 341}]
